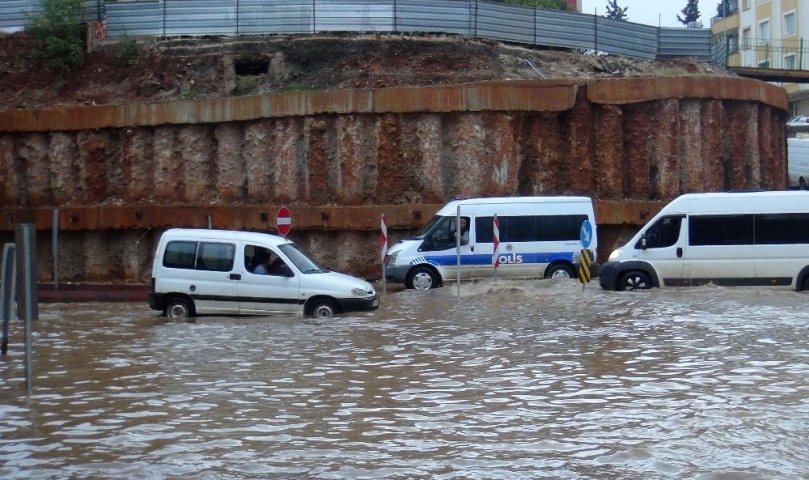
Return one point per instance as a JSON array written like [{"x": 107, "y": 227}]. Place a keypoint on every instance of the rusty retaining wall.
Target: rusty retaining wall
[{"x": 120, "y": 174}]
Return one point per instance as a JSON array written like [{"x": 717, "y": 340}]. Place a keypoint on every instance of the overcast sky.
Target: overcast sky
[{"x": 654, "y": 12}]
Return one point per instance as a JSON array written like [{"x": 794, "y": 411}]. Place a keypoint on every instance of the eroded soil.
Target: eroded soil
[{"x": 149, "y": 69}]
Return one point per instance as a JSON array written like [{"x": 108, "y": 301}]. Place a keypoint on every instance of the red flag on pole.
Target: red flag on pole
[
  {"x": 383, "y": 238},
  {"x": 496, "y": 254}
]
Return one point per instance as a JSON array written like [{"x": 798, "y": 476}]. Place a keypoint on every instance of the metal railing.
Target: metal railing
[
  {"x": 496, "y": 21},
  {"x": 755, "y": 53}
]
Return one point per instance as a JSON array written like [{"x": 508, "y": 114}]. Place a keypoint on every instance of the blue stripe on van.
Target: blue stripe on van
[{"x": 477, "y": 259}]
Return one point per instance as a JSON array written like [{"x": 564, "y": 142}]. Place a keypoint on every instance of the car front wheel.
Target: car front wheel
[
  {"x": 423, "y": 278},
  {"x": 635, "y": 281}
]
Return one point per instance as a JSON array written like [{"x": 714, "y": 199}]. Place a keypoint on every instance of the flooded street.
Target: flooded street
[{"x": 514, "y": 380}]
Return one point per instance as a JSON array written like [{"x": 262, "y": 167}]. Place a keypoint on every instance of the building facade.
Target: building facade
[{"x": 766, "y": 34}]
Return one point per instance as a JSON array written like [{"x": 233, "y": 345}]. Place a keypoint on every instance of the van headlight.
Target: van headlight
[
  {"x": 358, "y": 292},
  {"x": 615, "y": 254}
]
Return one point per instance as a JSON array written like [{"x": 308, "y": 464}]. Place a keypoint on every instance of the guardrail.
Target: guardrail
[{"x": 496, "y": 21}]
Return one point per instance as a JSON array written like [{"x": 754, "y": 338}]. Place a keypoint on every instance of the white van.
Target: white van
[
  {"x": 228, "y": 272},
  {"x": 539, "y": 238},
  {"x": 798, "y": 162},
  {"x": 746, "y": 238}
]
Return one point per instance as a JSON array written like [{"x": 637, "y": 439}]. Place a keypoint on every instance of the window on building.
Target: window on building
[
  {"x": 789, "y": 24},
  {"x": 733, "y": 43},
  {"x": 746, "y": 34},
  {"x": 746, "y": 4},
  {"x": 764, "y": 31},
  {"x": 789, "y": 61}
]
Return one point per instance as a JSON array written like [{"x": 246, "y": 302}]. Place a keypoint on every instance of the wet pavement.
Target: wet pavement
[{"x": 514, "y": 379}]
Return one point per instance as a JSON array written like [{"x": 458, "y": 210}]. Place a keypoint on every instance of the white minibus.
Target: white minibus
[
  {"x": 540, "y": 237},
  {"x": 798, "y": 162},
  {"x": 741, "y": 238},
  {"x": 228, "y": 272}
]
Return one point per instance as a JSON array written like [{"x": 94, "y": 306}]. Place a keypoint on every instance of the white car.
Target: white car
[
  {"x": 226, "y": 272},
  {"x": 799, "y": 121}
]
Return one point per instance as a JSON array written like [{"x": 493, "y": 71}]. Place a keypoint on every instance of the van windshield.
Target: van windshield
[
  {"x": 426, "y": 228},
  {"x": 300, "y": 259}
]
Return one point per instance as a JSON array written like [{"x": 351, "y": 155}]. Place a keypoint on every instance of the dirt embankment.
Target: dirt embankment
[{"x": 147, "y": 70}]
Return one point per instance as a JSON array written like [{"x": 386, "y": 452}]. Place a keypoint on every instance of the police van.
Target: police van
[
  {"x": 744, "y": 238},
  {"x": 228, "y": 272},
  {"x": 540, "y": 237}
]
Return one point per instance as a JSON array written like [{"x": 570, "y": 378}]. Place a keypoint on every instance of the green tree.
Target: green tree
[
  {"x": 724, "y": 9},
  {"x": 690, "y": 13},
  {"x": 57, "y": 33},
  {"x": 615, "y": 12}
]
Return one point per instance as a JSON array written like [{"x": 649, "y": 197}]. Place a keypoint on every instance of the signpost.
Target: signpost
[
  {"x": 283, "y": 221},
  {"x": 383, "y": 243},
  {"x": 586, "y": 238}
]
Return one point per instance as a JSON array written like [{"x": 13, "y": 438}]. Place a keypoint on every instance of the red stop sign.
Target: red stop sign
[{"x": 283, "y": 221}]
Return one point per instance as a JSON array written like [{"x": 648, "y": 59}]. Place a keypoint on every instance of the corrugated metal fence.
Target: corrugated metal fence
[
  {"x": 14, "y": 14},
  {"x": 496, "y": 21}
]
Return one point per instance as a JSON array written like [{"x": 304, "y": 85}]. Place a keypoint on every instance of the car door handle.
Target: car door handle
[
  {"x": 679, "y": 252},
  {"x": 235, "y": 276}
]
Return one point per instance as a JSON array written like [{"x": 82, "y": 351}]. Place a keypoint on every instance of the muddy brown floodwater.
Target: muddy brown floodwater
[{"x": 514, "y": 380}]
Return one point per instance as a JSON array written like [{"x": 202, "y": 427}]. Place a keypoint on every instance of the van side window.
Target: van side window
[
  {"x": 720, "y": 230},
  {"x": 530, "y": 228},
  {"x": 663, "y": 233},
  {"x": 782, "y": 228},
  {"x": 180, "y": 254},
  {"x": 214, "y": 256}
]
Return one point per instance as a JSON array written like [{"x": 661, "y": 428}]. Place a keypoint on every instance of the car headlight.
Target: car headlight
[
  {"x": 615, "y": 254},
  {"x": 392, "y": 258},
  {"x": 358, "y": 292}
]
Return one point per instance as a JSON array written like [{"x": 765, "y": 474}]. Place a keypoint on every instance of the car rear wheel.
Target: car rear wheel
[
  {"x": 560, "y": 271},
  {"x": 179, "y": 309},
  {"x": 636, "y": 280}
]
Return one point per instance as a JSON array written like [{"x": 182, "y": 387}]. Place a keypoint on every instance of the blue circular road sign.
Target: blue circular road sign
[{"x": 586, "y": 236}]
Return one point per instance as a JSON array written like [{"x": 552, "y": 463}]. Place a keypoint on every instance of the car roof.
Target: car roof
[{"x": 232, "y": 235}]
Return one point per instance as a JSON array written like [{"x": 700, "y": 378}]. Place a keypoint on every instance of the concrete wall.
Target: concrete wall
[{"x": 121, "y": 174}]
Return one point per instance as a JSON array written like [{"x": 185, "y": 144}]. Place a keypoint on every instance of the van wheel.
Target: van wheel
[
  {"x": 323, "y": 308},
  {"x": 635, "y": 281},
  {"x": 422, "y": 278},
  {"x": 560, "y": 270},
  {"x": 802, "y": 183},
  {"x": 179, "y": 309}
]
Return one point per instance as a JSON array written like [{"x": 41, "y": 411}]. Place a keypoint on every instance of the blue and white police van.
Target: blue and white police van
[{"x": 540, "y": 237}]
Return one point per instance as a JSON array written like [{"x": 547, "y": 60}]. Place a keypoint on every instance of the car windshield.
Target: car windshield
[
  {"x": 426, "y": 228},
  {"x": 300, "y": 259}
]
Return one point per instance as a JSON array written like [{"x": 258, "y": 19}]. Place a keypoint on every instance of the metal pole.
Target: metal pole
[
  {"x": 209, "y": 221},
  {"x": 55, "y": 249},
  {"x": 7, "y": 269},
  {"x": 237, "y": 18},
  {"x": 458, "y": 250},
  {"x": 29, "y": 306},
  {"x": 395, "y": 27},
  {"x": 165, "y": 2}
]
